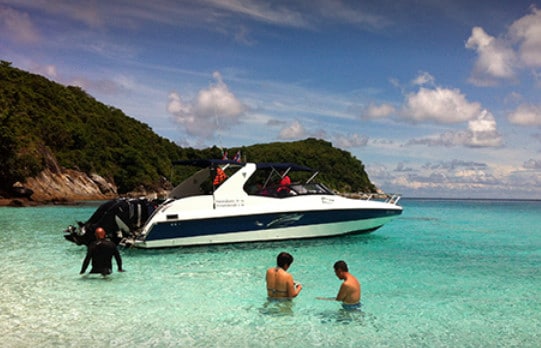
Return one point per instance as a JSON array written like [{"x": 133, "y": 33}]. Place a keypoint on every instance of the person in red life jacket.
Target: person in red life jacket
[
  {"x": 284, "y": 186},
  {"x": 219, "y": 177}
]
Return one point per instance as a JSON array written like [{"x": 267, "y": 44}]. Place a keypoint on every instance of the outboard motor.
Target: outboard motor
[{"x": 120, "y": 218}]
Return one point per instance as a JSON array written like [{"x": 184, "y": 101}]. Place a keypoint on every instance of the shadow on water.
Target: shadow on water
[
  {"x": 96, "y": 277},
  {"x": 348, "y": 317},
  {"x": 277, "y": 308},
  {"x": 420, "y": 218},
  {"x": 285, "y": 308}
]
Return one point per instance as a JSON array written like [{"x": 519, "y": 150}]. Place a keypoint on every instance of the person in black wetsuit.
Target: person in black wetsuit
[{"x": 101, "y": 252}]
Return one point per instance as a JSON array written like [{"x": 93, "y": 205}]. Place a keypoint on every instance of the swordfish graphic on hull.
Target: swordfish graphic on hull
[{"x": 284, "y": 220}]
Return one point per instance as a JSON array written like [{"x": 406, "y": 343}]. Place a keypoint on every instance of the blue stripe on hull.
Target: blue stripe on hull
[{"x": 223, "y": 225}]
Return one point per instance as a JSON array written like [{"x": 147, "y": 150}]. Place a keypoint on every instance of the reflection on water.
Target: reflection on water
[
  {"x": 342, "y": 316},
  {"x": 277, "y": 307},
  {"x": 96, "y": 276}
]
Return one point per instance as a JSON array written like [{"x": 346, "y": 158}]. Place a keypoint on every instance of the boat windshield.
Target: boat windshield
[
  {"x": 284, "y": 182},
  {"x": 311, "y": 189},
  {"x": 204, "y": 182}
]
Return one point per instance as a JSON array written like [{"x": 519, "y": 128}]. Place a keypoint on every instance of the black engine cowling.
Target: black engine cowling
[{"x": 119, "y": 217}]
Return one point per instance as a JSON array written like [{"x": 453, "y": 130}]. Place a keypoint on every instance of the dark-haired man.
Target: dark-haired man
[{"x": 350, "y": 290}]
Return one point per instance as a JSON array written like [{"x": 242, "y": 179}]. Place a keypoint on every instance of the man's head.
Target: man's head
[
  {"x": 284, "y": 260},
  {"x": 100, "y": 233},
  {"x": 340, "y": 269}
]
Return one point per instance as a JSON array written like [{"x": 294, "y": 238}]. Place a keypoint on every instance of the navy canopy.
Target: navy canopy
[
  {"x": 283, "y": 166},
  {"x": 206, "y": 162},
  {"x": 203, "y": 163}
]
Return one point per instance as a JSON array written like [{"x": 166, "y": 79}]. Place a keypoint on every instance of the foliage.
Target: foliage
[
  {"x": 82, "y": 133},
  {"x": 38, "y": 116},
  {"x": 338, "y": 169}
]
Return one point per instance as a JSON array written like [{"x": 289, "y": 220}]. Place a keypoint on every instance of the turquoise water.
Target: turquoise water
[{"x": 444, "y": 274}]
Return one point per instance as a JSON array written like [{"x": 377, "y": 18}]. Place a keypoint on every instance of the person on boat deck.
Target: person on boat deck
[
  {"x": 350, "y": 290},
  {"x": 284, "y": 186},
  {"x": 219, "y": 177},
  {"x": 280, "y": 284},
  {"x": 101, "y": 252}
]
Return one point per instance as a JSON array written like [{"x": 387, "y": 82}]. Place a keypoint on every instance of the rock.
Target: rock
[
  {"x": 56, "y": 184},
  {"x": 18, "y": 190},
  {"x": 69, "y": 185},
  {"x": 50, "y": 160},
  {"x": 105, "y": 186},
  {"x": 16, "y": 203}
]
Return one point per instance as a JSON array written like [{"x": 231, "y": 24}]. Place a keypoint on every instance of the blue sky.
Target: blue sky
[{"x": 437, "y": 98}]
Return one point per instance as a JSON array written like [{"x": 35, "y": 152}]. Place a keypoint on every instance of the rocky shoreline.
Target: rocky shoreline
[
  {"x": 58, "y": 186},
  {"x": 66, "y": 187}
]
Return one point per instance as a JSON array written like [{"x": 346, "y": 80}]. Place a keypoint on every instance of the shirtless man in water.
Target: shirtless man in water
[
  {"x": 280, "y": 284},
  {"x": 350, "y": 290}
]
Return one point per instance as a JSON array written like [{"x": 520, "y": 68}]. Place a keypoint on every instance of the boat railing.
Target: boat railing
[{"x": 391, "y": 198}]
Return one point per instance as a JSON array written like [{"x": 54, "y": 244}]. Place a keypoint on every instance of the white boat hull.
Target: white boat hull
[{"x": 277, "y": 234}]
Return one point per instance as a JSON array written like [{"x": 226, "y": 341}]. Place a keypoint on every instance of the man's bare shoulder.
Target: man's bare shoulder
[{"x": 351, "y": 283}]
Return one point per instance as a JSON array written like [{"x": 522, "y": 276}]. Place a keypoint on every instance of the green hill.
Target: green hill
[
  {"x": 39, "y": 117},
  {"x": 338, "y": 168}
]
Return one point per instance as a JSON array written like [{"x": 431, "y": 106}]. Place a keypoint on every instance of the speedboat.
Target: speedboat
[{"x": 225, "y": 201}]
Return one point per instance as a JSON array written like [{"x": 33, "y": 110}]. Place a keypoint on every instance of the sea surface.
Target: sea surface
[{"x": 447, "y": 273}]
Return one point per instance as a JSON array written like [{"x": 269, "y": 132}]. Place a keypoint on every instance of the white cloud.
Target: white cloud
[
  {"x": 527, "y": 181},
  {"x": 49, "y": 71},
  {"x": 299, "y": 14},
  {"x": 526, "y": 115},
  {"x": 263, "y": 11},
  {"x": 423, "y": 79},
  {"x": 349, "y": 12},
  {"x": 176, "y": 106},
  {"x": 401, "y": 167},
  {"x": 428, "y": 181},
  {"x": 459, "y": 178},
  {"x": 447, "y": 139},
  {"x": 293, "y": 131},
  {"x": 104, "y": 86},
  {"x": 457, "y": 164},
  {"x": 373, "y": 111},
  {"x": 17, "y": 26},
  {"x": 439, "y": 105},
  {"x": 527, "y": 31},
  {"x": 481, "y": 132},
  {"x": 501, "y": 58},
  {"x": 212, "y": 109},
  {"x": 351, "y": 140},
  {"x": 532, "y": 164},
  {"x": 495, "y": 61}
]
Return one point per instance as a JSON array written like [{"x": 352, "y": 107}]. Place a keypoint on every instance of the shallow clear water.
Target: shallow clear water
[{"x": 444, "y": 274}]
